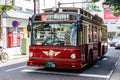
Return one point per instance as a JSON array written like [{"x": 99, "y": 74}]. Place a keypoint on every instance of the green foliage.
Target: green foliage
[
  {"x": 95, "y": 8},
  {"x": 95, "y": 1},
  {"x": 114, "y": 3},
  {"x": 116, "y": 6},
  {"x": 116, "y": 12},
  {"x": 107, "y": 3},
  {"x": 5, "y": 8}
]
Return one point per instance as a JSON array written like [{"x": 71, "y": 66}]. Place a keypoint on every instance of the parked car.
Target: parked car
[
  {"x": 113, "y": 41},
  {"x": 117, "y": 45}
]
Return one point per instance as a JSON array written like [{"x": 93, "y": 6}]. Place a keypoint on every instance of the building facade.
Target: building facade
[{"x": 14, "y": 23}]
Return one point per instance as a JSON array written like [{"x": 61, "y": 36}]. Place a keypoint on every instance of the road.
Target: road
[{"x": 107, "y": 68}]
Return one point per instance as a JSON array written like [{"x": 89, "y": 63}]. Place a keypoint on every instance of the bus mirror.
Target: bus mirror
[{"x": 29, "y": 25}]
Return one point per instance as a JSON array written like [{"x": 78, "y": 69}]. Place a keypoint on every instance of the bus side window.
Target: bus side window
[
  {"x": 104, "y": 34},
  {"x": 90, "y": 34},
  {"x": 99, "y": 35},
  {"x": 95, "y": 34}
]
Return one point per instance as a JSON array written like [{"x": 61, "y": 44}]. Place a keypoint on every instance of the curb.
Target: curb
[{"x": 17, "y": 57}]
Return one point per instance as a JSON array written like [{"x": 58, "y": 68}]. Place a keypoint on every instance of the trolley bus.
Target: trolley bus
[{"x": 68, "y": 38}]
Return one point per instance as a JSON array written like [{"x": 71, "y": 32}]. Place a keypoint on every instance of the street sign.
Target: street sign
[{"x": 15, "y": 23}]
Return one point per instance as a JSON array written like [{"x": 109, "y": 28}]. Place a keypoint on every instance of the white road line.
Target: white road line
[
  {"x": 12, "y": 69},
  {"x": 107, "y": 76},
  {"x": 72, "y": 74},
  {"x": 116, "y": 64},
  {"x": 95, "y": 75},
  {"x": 12, "y": 62}
]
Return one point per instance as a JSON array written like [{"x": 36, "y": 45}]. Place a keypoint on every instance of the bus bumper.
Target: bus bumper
[{"x": 56, "y": 65}]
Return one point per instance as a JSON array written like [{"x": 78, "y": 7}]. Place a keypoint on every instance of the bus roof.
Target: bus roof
[{"x": 63, "y": 17}]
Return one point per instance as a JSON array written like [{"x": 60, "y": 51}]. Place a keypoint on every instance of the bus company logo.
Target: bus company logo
[{"x": 51, "y": 53}]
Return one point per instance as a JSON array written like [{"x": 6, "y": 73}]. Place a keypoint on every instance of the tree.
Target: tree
[
  {"x": 93, "y": 6},
  {"x": 95, "y": 1},
  {"x": 115, "y": 5},
  {"x": 3, "y": 8}
]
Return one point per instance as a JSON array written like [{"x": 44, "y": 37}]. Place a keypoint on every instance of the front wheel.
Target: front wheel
[{"x": 4, "y": 57}]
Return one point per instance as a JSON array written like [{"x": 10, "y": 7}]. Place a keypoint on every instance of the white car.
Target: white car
[
  {"x": 117, "y": 45},
  {"x": 113, "y": 42}
]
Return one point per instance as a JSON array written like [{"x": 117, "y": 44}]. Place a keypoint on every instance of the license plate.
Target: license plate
[{"x": 50, "y": 65}]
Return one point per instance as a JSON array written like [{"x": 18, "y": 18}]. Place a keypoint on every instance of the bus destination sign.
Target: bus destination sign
[
  {"x": 58, "y": 17},
  {"x": 54, "y": 17}
]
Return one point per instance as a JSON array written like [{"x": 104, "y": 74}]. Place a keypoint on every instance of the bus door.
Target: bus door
[{"x": 83, "y": 41}]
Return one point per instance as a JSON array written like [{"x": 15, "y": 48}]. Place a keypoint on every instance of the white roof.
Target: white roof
[{"x": 17, "y": 14}]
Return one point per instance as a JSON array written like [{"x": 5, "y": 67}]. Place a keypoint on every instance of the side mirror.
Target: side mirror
[{"x": 29, "y": 25}]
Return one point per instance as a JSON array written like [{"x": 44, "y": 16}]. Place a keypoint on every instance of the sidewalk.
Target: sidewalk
[
  {"x": 19, "y": 56},
  {"x": 15, "y": 53}
]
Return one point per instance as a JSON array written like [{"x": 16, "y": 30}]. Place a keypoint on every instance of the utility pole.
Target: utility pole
[
  {"x": 34, "y": 1},
  {"x": 38, "y": 6}
]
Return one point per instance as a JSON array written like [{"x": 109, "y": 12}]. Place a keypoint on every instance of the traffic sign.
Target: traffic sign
[{"x": 15, "y": 23}]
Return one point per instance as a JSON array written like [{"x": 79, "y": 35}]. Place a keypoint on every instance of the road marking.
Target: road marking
[
  {"x": 12, "y": 62},
  {"x": 71, "y": 74},
  {"x": 116, "y": 64},
  {"x": 12, "y": 69}
]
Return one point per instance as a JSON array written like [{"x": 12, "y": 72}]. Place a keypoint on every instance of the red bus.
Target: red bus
[{"x": 68, "y": 38}]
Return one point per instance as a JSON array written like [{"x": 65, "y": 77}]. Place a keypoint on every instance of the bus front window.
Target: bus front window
[{"x": 54, "y": 34}]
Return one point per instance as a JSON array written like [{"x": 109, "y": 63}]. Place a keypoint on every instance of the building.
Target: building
[
  {"x": 14, "y": 24},
  {"x": 113, "y": 22},
  {"x": 15, "y": 21}
]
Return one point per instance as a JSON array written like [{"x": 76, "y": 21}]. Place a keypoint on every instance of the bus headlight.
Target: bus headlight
[
  {"x": 30, "y": 54},
  {"x": 73, "y": 56}
]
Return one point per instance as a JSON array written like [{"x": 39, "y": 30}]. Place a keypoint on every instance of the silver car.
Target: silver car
[
  {"x": 113, "y": 42},
  {"x": 117, "y": 44}
]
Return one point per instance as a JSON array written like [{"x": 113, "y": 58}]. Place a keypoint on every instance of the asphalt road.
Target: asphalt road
[{"x": 107, "y": 68}]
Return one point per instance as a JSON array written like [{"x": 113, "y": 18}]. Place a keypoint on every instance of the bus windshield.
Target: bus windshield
[{"x": 58, "y": 34}]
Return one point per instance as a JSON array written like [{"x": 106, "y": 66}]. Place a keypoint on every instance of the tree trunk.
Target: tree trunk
[{"x": 0, "y": 29}]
